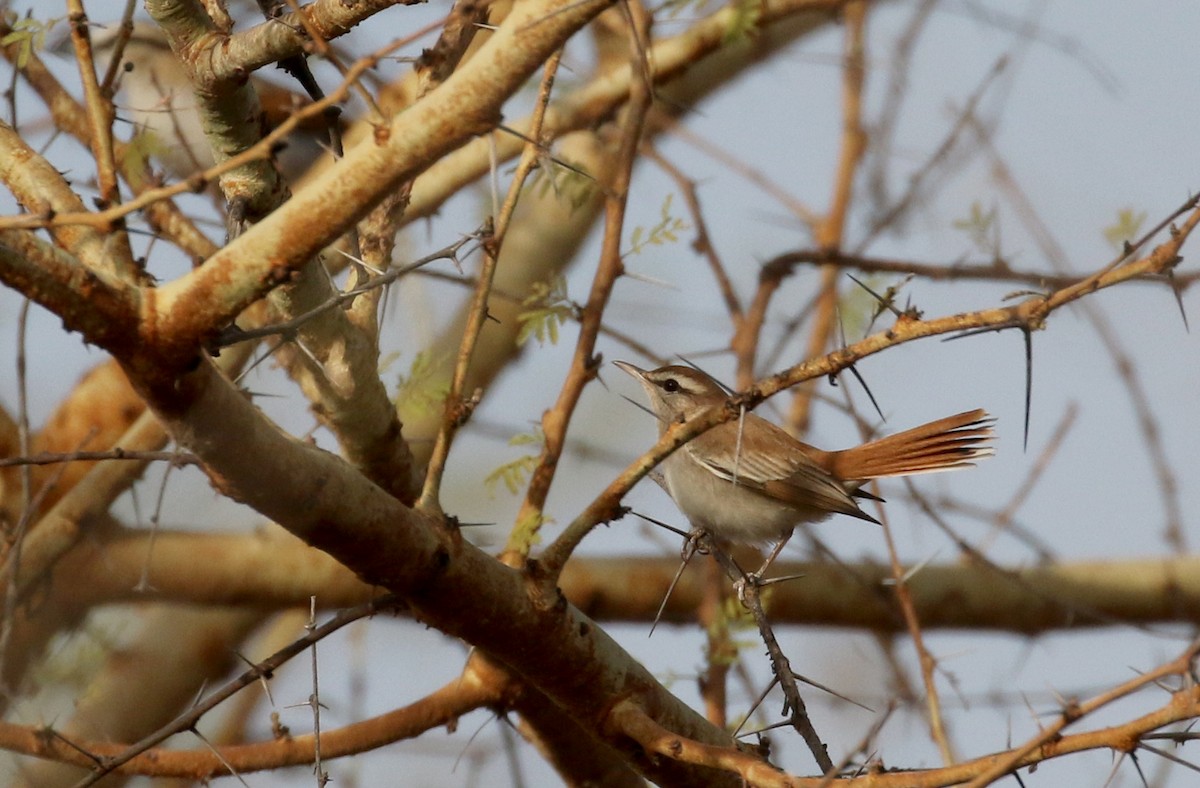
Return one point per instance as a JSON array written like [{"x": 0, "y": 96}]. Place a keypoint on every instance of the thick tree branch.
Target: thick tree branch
[
  {"x": 274, "y": 570},
  {"x": 467, "y": 104}
]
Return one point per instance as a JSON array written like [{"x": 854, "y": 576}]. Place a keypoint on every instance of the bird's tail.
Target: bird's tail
[{"x": 942, "y": 445}]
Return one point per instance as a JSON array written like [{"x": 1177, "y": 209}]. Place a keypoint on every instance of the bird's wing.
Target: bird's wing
[{"x": 778, "y": 467}]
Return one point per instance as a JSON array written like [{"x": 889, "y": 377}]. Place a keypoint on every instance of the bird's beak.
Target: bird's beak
[
  {"x": 636, "y": 372},
  {"x": 639, "y": 375}
]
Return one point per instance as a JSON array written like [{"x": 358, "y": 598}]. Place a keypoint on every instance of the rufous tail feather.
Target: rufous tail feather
[{"x": 942, "y": 445}]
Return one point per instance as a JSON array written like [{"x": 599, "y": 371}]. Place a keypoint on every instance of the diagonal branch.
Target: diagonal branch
[
  {"x": 584, "y": 363},
  {"x": 1030, "y": 314},
  {"x": 468, "y": 103}
]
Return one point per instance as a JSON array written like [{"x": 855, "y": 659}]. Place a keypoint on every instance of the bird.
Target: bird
[{"x": 749, "y": 481}]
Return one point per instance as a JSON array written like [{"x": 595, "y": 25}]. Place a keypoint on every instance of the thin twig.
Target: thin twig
[
  {"x": 933, "y": 707},
  {"x": 702, "y": 243},
  {"x": 189, "y": 719},
  {"x": 314, "y": 699},
  {"x": 55, "y": 458},
  {"x": 584, "y": 363},
  {"x": 831, "y": 230},
  {"x": 1152, "y": 431},
  {"x": 1031, "y": 312},
  {"x": 287, "y": 328},
  {"x": 793, "y": 707},
  {"x": 100, "y": 118},
  {"x": 1180, "y": 666},
  {"x": 458, "y": 409}
]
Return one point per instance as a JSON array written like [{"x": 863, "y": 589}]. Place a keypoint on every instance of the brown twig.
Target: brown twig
[
  {"x": 197, "y": 182},
  {"x": 653, "y": 738},
  {"x": 998, "y": 270},
  {"x": 100, "y": 117},
  {"x": 455, "y": 413},
  {"x": 928, "y": 663},
  {"x": 189, "y": 719},
  {"x": 831, "y": 229},
  {"x": 1125, "y": 367},
  {"x": 793, "y": 706},
  {"x": 1180, "y": 666},
  {"x": 69, "y": 116},
  {"x": 746, "y": 340},
  {"x": 702, "y": 243},
  {"x": 584, "y": 363},
  {"x": 1184, "y": 704},
  {"x": 54, "y": 458},
  {"x": 912, "y": 623},
  {"x": 1029, "y": 314},
  {"x": 318, "y": 42}
]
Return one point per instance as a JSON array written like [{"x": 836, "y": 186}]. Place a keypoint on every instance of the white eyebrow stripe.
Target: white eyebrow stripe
[{"x": 688, "y": 383}]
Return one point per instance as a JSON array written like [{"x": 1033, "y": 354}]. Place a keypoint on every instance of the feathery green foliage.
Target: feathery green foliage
[
  {"x": 666, "y": 231},
  {"x": 1127, "y": 226},
  {"x": 545, "y": 309},
  {"x": 513, "y": 474},
  {"x": 30, "y": 35}
]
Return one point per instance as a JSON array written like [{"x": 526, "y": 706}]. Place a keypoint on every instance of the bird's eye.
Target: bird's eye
[{"x": 670, "y": 385}]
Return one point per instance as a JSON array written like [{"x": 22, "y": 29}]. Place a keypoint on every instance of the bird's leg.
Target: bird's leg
[
  {"x": 755, "y": 578},
  {"x": 697, "y": 541},
  {"x": 775, "y": 551}
]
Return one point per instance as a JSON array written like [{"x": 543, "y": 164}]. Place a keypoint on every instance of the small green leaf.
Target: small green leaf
[
  {"x": 527, "y": 438},
  {"x": 545, "y": 308},
  {"x": 635, "y": 238},
  {"x": 666, "y": 231},
  {"x": 514, "y": 473},
  {"x": 424, "y": 388},
  {"x": 981, "y": 228},
  {"x": 29, "y": 34},
  {"x": 567, "y": 179},
  {"x": 1127, "y": 226},
  {"x": 388, "y": 360},
  {"x": 141, "y": 149}
]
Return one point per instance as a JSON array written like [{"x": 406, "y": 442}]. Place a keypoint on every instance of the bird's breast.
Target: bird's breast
[{"x": 726, "y": 509}]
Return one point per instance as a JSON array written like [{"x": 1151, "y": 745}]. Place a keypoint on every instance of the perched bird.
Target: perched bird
[{"x": 747, "y": 480}]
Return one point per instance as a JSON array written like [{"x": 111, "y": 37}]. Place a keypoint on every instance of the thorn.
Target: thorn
[
  {"x": 661, "y": 524},
  {"x": 650, "y": 280},
  {"x": 1028, "y": 382},
  {"x": 730, "y": 392},
  {"x": 870, "y": 395},
  {"x": 853, "y": 371},
  {"x": 1178, "y": 291},
  {"x": 781, "y": 579},
  {"x": 754, "y": 707},
  {"x": 360, "y": 261},
  {"x": 885, "y": 301},
  {"x": 912, "y": 571},
  {"x": 639, "y": 406},
  {"x": 674, "y": 582}
]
